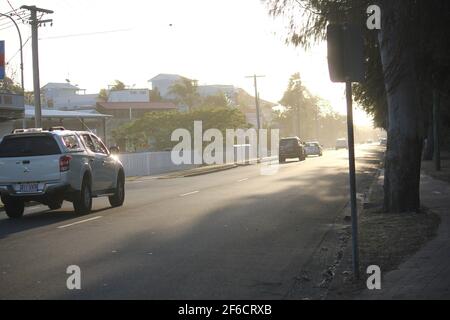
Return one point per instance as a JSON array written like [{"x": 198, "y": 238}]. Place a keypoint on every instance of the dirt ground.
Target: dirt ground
[{"x": 385, "y": 239}]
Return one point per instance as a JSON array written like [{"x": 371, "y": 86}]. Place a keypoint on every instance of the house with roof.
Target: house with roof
[
  {"x": 129, "y": 95},
  {"x": 163, "y": 82},
  {"x": 128, "y": 111},
  {"x": 66, "y": 96},
  {"x": 247, "y": 104}
]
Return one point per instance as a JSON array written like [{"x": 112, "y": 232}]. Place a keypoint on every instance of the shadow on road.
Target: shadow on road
[{"x": 39, "y": 219}]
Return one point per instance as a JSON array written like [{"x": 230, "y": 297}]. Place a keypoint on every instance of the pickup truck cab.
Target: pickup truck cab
[{"x": 50, "y": 166}]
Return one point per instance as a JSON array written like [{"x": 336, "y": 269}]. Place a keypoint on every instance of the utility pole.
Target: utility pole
[
  {"x": 258, "y": 118},
  {"x": 35, "y": 23}
]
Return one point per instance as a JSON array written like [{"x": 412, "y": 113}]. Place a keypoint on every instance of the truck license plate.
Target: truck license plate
[{"x": 29, "y": 187}]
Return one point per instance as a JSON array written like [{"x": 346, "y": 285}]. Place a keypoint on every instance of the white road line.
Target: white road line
[
  {"x": 78, "y": 222},
  {"x": 189, "y": 193},
  {"x": 242, "y": 180}
]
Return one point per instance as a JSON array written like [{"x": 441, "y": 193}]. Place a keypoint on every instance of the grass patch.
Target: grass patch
[{"x": 388, "y": 239}]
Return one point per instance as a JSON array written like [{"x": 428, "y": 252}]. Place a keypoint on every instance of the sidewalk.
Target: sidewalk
[
  {"x": 412, "y": 250},
  {"x": 426, "y": 274}
]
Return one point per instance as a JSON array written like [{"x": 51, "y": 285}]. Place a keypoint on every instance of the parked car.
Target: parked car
[
  {"x": 313, "y": 148},
  {"x": 341, "y": 144},
  {"x": 383, "y": 142},
  {"x": 291, "y": 148},
  {"x": 50, "y": 166}
]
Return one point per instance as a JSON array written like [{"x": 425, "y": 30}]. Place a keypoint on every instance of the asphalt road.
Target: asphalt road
[{"x": 235, "y": 234}]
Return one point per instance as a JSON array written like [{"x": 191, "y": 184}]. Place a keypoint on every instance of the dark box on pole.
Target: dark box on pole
[{"x": 345, "y": 53}]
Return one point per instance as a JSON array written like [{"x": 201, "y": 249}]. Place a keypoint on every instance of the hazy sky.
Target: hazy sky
[{"x": 213, "y": 41}]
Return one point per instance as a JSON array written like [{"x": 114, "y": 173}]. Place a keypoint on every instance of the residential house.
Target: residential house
[
  {"x": 247, "y": 104},
  {"x": 129, "y": 95},
  {"x": 65, "y": 96},
  {"x": 163, "y": 82}
]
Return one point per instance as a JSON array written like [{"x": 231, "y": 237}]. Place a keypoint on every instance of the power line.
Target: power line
[
  {"x": 14, "y": 55},
  {"x": 19, "y": 14},
  {"x": 15, "y": 11},
  {"x": 84, "y": 34},
  {"x": 7, "y": 22}
]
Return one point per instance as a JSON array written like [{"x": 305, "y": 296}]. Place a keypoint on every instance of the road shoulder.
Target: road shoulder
[{"x": 410, "y": 249}]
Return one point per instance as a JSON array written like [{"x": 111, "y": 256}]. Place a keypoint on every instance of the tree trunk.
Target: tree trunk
[
  {"x": 404, "y": 148},
  {"x": 428, "y": 149}
]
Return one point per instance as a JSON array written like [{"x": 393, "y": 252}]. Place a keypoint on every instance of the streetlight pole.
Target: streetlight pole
[
  {"x": 21, "y": 61},
  {"x": 258, "y": 118},
  {"x": 21, "y": 51}
]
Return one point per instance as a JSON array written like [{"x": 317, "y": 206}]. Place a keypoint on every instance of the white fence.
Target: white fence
[
  {"x": 153, "y": 163},
  {"x": 150, "y": 163}
]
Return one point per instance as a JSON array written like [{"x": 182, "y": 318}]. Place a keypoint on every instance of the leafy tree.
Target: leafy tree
[
  {"x": 157, "y": 127},
  {"x": 155, "y": 95},
  {"x": 410, "y": 50},
  {"x": 9, "y": 85},
  {"x": 103, "y": 95},
  {"x": 185, "y": 92},
  {"x": 118, "y": 85},
  {"x": 215, "y": 101}
]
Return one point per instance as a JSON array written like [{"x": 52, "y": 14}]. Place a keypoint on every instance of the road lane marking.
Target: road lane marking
[
  {"x": 78, "y": 222},
  {"x": 242, "y": 180},
  {"x": 189, "y": 193}
]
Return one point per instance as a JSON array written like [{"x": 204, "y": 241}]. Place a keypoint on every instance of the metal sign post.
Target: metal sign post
[
  {"x": 352, "y": 175},
  {"x": 346, "y": 64}
]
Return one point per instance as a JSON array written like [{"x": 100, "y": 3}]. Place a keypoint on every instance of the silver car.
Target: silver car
[{"x": 50, "y": 166}]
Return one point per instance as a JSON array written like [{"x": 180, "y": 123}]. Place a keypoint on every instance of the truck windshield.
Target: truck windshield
[
  {"x": 288, "y": 142},
  {"x": 28, "y": 146}
]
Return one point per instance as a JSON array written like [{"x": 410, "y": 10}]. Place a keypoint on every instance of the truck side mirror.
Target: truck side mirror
[{"x": 114, "y": 150}]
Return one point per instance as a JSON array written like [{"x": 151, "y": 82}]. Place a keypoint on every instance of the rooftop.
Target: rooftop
[
  {"x": 166, "y": 76},
  {"x": 137, "y": 105},
  {"x": 59, "y": 85},
  {"x": 59, "y": 114}
]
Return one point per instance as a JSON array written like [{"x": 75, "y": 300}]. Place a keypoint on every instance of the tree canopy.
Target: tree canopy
[
  {"x": 185, "y": 92},
  {"x": 153, "y": 131}
]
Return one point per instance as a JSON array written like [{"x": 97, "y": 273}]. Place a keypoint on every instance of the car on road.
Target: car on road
[
  {"x": 341, "y": 144},
  {"x": 291, "y": 147},
  {"x": 50, "y": 166},
  {"x": 313, "y": 148}
]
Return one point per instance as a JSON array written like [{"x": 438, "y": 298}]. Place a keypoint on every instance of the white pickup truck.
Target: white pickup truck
[{"x": 50, "y": 166}]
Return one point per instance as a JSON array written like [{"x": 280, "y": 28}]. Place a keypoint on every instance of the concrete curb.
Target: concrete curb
[{"x": 199, "y": 171}]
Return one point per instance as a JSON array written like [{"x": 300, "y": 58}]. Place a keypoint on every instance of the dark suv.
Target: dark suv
[{"x": 291, "y": 148}]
